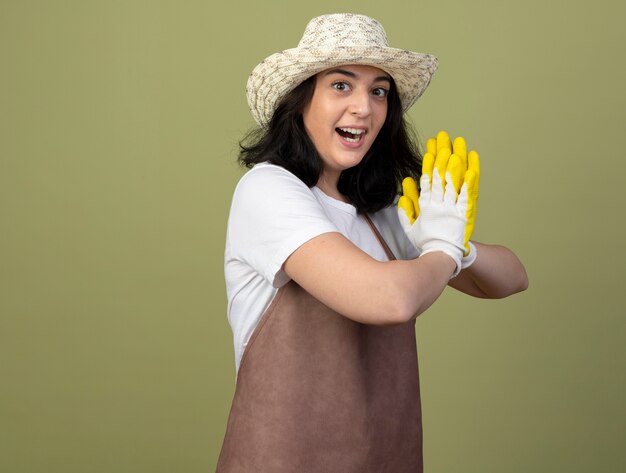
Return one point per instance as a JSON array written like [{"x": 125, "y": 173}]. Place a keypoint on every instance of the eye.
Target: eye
[
  {"x": 380, "y": 92},
  {"x": 340, "y": 85}
]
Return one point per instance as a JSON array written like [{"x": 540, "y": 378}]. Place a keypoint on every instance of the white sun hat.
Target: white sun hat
[{"x": 335, "y": 40}]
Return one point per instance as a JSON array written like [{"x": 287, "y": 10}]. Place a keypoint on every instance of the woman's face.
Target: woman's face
[{"x": 345, "y": 114}]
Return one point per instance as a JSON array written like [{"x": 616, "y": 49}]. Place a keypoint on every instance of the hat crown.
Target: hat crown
[{"x": 343, "y": 29}]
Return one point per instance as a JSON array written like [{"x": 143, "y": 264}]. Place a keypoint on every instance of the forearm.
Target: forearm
[
  {"x": 496, "y": 273},
  {"x": 416, "y": 284},
  {"x": 349, "y": 281}
]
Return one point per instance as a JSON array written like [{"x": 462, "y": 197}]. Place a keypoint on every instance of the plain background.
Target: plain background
[{"x": 119, "y": 123}]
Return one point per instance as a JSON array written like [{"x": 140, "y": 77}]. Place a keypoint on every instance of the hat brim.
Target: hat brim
[{"x": 282, "y": 72}]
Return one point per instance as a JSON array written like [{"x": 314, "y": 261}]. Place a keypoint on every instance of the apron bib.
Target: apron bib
[{"x": 317, "y": 392}]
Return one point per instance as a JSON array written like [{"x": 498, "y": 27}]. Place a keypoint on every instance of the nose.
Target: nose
[{"x": 360, "y": 105}]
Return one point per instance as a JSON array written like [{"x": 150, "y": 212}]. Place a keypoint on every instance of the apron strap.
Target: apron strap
[{"x": 379, "y": 237}]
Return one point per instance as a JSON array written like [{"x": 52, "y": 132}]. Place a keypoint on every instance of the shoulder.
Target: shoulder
[
  {"x": 266, "y": 174},
  {"x": 272, "y": 213},
  {"x": 267, "y": 188}
]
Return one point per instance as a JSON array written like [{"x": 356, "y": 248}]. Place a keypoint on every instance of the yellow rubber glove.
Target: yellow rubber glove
[
  {"x": 458, "y": 163},
  {"x": 409, "y": 200},
  {"x": 441, "y": 149},
  {"x": 444, "y": 156},
  {"x": 472, "y": 178},
  {"x": 441, "y": 223}
]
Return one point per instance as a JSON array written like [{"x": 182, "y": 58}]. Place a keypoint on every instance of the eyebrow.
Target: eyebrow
[{"x": 353, "y": 75}]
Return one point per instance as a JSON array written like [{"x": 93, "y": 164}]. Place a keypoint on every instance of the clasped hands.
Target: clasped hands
[{"x": 441, "y": 215}]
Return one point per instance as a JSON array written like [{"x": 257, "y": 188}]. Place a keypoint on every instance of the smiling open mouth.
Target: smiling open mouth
[{"x": 351, "y": 135}]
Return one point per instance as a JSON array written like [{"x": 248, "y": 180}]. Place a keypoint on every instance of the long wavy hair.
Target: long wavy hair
[{"x": 371, "y": 185}]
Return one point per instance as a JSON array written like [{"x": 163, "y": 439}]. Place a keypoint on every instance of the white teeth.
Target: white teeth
[{"x": 354, "y": 131}]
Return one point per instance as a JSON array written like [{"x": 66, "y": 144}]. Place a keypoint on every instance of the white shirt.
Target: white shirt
[{"x": 272, "y": 214}]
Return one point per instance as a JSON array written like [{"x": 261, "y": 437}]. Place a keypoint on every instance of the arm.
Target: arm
[
  {"x": 496, "y": 273},
  {"x": 276, "y": 223},
  {"x": 346, "y": 279},
  {"x": 373, "y": 292}
]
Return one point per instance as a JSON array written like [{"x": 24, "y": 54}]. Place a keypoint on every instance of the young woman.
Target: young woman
[{"x": 325, "y": 277}]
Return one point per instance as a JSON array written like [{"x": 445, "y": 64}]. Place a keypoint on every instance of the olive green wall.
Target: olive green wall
[{"x": 119, "y": 122}]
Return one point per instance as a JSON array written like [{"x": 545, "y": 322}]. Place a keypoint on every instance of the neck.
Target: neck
[{"x": 328, "y": 185}]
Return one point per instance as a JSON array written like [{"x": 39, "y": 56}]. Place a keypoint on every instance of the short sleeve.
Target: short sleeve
[{"x": 272, "y": 214}]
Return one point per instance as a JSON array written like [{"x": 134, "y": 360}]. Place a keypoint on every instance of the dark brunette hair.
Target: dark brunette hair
[{"x": 371, "y": 185}]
